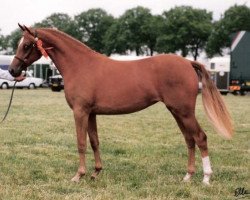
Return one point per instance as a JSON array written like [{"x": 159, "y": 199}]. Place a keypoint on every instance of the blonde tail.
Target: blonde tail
[{"x": 213, "y": 103}]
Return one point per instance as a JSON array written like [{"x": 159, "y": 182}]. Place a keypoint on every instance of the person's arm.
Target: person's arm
[{"x": 4, "y": 74}]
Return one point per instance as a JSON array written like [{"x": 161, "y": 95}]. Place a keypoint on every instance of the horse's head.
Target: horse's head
[{"x": 28, "y": 51}]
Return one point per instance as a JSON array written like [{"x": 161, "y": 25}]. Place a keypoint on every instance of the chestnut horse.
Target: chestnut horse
[{"x": 96, "y": 84}]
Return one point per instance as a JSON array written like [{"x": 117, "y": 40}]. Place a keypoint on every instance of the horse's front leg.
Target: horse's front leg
[{"x": 81, "y": 123}]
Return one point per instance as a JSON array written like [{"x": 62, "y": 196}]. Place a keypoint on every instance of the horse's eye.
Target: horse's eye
[{"x": 26, "y": 46}]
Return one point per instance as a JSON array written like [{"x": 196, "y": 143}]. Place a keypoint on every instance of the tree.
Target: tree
[
  {"x": 185, "y": 29},
  {"x": 12, "y": 41},
  {"x": 136, "y": 29},
  {"x": 235, "y": 19},
  {"x": 91, "y": 27},
  {"x": 61, "y": 21},
  {"x": 2, "y": 42},
  {"x": 152, "y": 32},
  {"x": 114, "y": 40}
]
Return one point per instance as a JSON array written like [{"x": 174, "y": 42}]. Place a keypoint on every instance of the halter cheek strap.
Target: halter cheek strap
[{"x": 39, "y": 45}]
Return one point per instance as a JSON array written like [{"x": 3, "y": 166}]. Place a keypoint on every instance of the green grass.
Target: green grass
[{"x": 144, "y": 154}]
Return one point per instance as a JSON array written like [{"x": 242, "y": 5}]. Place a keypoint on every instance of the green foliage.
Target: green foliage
[
  {"x": 152, "y": 29},
  {"x": 235, "y": 19},
  {"x": 61, "y": 21},
  {"x": 135, "y": 29},
  {"x": 185, "y": 29},
  {"x": 115, "y": 40},
  {"x": 2, "y": 43},
  {"x": 12, "y": 40},
  {"x": 91, "y": 27}
]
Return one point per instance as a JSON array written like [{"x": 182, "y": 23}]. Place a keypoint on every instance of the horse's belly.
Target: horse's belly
[
  {"x": 122, "y": 97},
  {"x": 115, "y": 108}
]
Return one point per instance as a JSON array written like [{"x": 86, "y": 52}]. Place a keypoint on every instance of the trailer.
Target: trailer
[
  {"x": 240, "y": 63},
  {"x": 5, "y": 61},
  {"x": 219, "y": 68}
]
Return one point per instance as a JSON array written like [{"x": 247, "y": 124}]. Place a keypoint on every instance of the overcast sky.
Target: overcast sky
[{"x": 29, "y": 12}]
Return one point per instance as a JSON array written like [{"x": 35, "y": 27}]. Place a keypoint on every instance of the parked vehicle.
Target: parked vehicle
[
  {"x": 56, "y": 83},
  {"x": 29, "y": 82},
  {"x": 219, "y": 68},
  {"x": 240, "y": 63},
  {"x": 232, "y": 74},
  {"x": 5, "y": 61}
]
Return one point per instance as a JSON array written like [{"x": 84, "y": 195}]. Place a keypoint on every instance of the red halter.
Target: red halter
[{"x": 39, "y": 45}]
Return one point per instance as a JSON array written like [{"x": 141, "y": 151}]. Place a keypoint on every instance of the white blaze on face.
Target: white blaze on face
[{"x": 21, "y": 41}]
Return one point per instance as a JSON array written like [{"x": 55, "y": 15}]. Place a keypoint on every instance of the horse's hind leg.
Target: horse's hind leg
[
  {"x": 190, "y": 145},
  {"x": 93, "y": 137},
  {"x": 193, "y": 134},
  {"x": 191, "y": 158}
]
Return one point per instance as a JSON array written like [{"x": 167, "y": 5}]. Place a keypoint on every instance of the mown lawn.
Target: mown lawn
[{"x": 144, "y": 154}]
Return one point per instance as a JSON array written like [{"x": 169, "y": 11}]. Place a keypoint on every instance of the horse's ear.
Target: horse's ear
[
  {"x": 27, "y": 29},
  {"x": 21, "y": 27}
]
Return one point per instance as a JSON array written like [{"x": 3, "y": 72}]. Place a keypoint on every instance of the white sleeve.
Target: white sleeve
[{"x": 4, "y": 74}]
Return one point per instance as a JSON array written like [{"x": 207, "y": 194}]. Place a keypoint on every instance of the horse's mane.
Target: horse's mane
[{"x": 68, "y": 37}]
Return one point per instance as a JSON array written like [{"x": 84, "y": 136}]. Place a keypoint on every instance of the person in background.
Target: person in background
[{"x": 4, "y": 74}]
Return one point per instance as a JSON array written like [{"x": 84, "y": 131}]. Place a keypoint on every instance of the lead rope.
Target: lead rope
[{"x": 11, "y": 98}]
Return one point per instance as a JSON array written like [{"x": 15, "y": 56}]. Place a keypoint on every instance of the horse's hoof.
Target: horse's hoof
[
  {"x": 77, "y": 178},
  {"x": 187, "y": 178},
  {"x": 206, "y": 183},
  {"x": 95, "y": 174},
  {"x": 206, "y": 179},
  {"x": 93, "y": 177}
]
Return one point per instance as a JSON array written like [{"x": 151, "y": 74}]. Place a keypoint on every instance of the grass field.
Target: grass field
[{"x": 144, "y": 154}]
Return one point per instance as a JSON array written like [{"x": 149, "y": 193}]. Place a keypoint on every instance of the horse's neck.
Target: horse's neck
[{"x": 66, "y": 52}]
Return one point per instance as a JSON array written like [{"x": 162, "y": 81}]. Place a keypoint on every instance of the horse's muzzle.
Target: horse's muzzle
[{"x": 15, "y": 72}]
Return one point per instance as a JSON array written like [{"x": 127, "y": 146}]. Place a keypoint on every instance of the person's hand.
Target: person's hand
[{"x": 20, "y": 78}]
